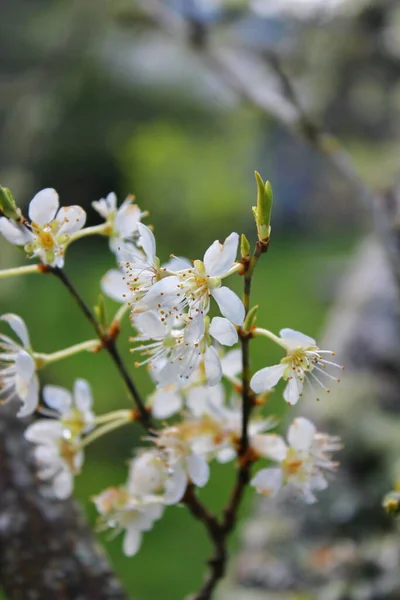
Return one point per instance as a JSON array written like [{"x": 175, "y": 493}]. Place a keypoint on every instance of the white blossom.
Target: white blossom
[
  {"x": 74, "y": 411},
  {"x": 174, "y": 346},
  {"x": 129, "y": 514},
  {"x": 58, "y": 458},
  {"x": 203, "y": 281},
  {"x": 182, "y": 465},
  {"x": 18, "y": 377},
  {"x": 50, "y": 228},
  {"x": 302, "y": 461},
  {"x": 123, "y": 221},
  {"x": 303, "y": 360}
]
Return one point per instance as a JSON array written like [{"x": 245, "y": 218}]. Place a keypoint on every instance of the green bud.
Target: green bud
[
  {"x": 8, "y": 206},
  {"x": 100, "y": 312},
  {"x": 262, "y": 212},
  {"x": 244, "y": 246},
  {"x": 251, "y": 318}
]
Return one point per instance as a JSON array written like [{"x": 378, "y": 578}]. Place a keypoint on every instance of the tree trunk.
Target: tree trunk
[{"x": 47, "y": 551}]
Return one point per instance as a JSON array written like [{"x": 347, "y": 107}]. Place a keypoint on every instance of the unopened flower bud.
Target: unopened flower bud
[{"x": 262, "y": 212}]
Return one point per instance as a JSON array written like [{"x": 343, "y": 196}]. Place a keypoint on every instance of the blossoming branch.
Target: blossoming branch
[{"x": 206, "y": 406}]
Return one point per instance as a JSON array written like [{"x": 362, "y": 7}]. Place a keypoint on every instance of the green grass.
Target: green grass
[{"x": 289, "y": 287}]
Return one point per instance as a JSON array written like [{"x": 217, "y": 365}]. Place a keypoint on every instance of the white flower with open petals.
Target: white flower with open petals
[
  {"x": 302, "y": 462},
  {"x": 123, "y": 221},
  {"x": 182, "y": 464},
  {"x": 303, "y": 360},
  {"x": 50, "y": 228},
  {"x": 203, "y": 281},
  {"x": 74, "y": 411},
  {"x": 126, "y": 513},
  {"x": 174, "y": 347},
  {"x": 18, "y": 377},
  {"x": 58, "y": 459}
]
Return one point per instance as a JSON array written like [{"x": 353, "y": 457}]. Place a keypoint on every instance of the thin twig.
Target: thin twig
[{"x": 110, "y": 346}]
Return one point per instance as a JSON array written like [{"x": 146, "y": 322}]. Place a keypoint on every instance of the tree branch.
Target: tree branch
[{"x": 109, "y": 343}]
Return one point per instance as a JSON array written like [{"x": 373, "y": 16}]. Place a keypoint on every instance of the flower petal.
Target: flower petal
[
  {"x": 198, "y": 469},
  {"x": 31, "y": 399},
  {"x": 105, "y": 206},
  {"x": 270, "y": 446},
  {"x": 232, "y": 363},
  {"x": 43, "y": 206},
  {"x": 147, "y": 241},
  {"x": 25, "y": 369},
  {"x": 265, "y": 379},
  {"x": 57, "y": 398},
  {"x": 132, "y": 540},
  {"x": 175, "y": 486},
  {"x": 63, "y": 484},
  {"x": 229, "y": 304},
  {"x": 150, "y": 324},
  {"x": 127, "y": 218},
  {"x": 166, "y": 403},
  {"x": 114, "y": 285},
  {"x": 293, "y": 390},
  {"x": 18, "y": 326},
  {"x": 301, "y": 434},
  {"x": 167, "y": 292},
  {"x": 268, "y": 482},
  {"x": 212, "y": 366},
  {"x": 72, "y": 218},
  {"x": 82, "y": 395},
  {"x": 44, "y": 431},
  {"x": 14, "y": 233},
  {"x": 223, "y": 331},
  {"x": 219, "y": 258},
  {"x": 295, "y": 339}
]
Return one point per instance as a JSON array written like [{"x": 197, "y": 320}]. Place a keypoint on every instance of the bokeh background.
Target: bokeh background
[{"x": 96, "y": 97}]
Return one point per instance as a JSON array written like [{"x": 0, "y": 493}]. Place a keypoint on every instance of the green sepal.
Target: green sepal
[
  {"x": 244, "y": 246},
  {"x": 251, "y": 318},
  {"x": 7, "y": 205},
  {"x": 100, "y": 312}
]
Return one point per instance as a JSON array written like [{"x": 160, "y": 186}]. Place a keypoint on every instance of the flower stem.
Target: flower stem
[
  {"x": 25, "y": 270},
  {"x": 103, "y": 229},
  {"x": 121, "y": 312},
  {"x": 45, "y": 359},
  {"x": 97, "y": 433},
  {"x": 270, "y": 335},
  {"x": 113, "y": 415}
]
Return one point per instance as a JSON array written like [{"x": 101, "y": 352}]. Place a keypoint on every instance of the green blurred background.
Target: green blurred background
[{"x": 95, "y": 98}]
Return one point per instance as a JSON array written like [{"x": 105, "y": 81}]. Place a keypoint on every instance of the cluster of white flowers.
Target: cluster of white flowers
[{"x": 197, "y": 382}]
